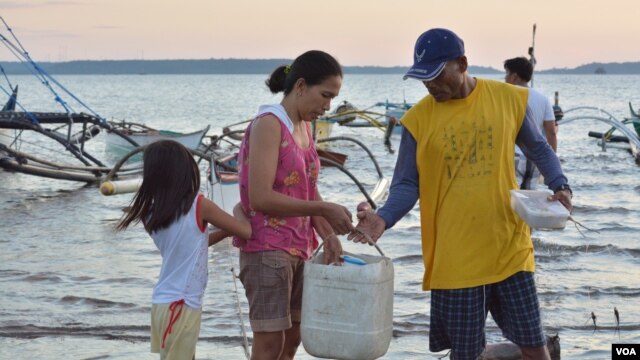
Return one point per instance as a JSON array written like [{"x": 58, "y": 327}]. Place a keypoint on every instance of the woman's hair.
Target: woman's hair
[
  {"x": 313, "y": 66},
  {"x": 170, "y": 183}
]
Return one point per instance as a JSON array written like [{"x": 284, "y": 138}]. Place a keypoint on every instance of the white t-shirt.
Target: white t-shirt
[
  {"x": 184, "y": 248},
  {"x": 540, "y": 110}
]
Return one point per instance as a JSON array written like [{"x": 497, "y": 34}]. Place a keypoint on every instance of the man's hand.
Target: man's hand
[
  {"x": 369, "y": 223},
  {"x": 564, "y": 196}
]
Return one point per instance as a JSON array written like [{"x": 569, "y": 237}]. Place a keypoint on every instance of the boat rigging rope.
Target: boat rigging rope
[
  {"x": 20, "y": 52},
  {"x": 31, "y": 117},
  {"x": 5, "y": 76},
  {"x": 35, "y": 144},
  {"x": 213, "y": 175}
]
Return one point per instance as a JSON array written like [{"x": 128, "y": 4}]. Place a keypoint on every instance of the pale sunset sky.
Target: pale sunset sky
[{"x": 357, "y": 32}]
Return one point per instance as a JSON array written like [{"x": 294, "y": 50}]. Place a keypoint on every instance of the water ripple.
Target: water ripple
[{"x": 100, "y": 303}]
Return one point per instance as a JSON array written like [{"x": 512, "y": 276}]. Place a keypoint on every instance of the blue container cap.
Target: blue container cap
[{"x": 353, "y": 260}]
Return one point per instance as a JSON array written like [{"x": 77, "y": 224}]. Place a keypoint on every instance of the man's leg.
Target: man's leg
[
  {"x": 457, "y": 322},
  {"x": 515, "y": 308}
]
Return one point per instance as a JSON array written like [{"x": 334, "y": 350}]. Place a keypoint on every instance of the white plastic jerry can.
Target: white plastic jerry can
[{"x": 347, "y": 311}]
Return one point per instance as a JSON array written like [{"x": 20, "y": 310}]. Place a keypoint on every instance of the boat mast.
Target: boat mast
[{"x": 532, "y": 57}]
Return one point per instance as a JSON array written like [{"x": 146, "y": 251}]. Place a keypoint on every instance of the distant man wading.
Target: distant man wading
[
  {"x": 457, "y": 156},
  {"x": 519, "y": 71}
]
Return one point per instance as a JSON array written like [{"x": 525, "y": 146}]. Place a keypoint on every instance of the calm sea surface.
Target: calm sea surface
[{"x": 72, "y": 288}]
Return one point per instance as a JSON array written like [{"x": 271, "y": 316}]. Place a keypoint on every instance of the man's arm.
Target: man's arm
[
  {"x": 404, "y": 191},
  {"x": 536, "y": 148}
]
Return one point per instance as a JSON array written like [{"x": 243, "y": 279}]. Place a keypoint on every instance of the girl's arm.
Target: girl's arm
[
  {"x": 214, "y": 215},
  {"x": 216, "y": 236},
  {"x": 264, "y": 147}
]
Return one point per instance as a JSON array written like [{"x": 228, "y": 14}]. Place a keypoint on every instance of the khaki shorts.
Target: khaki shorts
[
  {"x": 181, "y": 342},
  {"x": 273, "y": 284}
]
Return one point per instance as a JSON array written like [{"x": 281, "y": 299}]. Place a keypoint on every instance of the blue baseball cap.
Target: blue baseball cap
[{"x": 433, "y": 49}]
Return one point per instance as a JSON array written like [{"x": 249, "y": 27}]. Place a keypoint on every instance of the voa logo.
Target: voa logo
[{"x": 626, "y": 351}]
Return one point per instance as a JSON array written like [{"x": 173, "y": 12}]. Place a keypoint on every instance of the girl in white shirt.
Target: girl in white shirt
[{"x": 176, "y": 215}]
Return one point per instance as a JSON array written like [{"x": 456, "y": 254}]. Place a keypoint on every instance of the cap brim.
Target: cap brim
[{"x": 425, "y": 73}]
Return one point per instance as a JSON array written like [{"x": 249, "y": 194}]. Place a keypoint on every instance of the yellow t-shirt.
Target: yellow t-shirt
[{"x": 465, "y": 161}]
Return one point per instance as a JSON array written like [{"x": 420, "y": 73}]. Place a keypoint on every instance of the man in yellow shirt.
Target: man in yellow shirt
[{"x": 457, "y": 156}]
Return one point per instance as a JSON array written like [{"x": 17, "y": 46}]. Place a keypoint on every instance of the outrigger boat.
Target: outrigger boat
[
  {"x": 143, "y": 135},
  {"x": 594, "y": 113},
  {"x": 635, "y": 119},
  {"x": 56, "y": 129},
  {"x": 52, "y": 144},
  {"x": 346, "y": 114}
]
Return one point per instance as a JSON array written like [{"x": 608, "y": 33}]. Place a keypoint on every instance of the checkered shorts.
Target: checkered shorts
[{"x": 458, "y": 316}]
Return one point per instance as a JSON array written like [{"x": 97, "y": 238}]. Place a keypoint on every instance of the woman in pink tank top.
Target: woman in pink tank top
[{"x": 279, "y": 168}]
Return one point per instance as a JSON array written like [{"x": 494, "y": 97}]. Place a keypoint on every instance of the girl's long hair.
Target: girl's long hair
[{"x": 170, "y": 183}]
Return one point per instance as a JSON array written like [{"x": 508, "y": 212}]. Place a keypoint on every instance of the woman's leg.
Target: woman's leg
[
  {"x": 291, "y": 342},
  {"x": 267, "y": 345}
]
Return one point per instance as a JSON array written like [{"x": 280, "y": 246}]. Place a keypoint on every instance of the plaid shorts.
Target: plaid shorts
[
  {"x": 273, "y": 282},
  {"x": 458, "y": 316}
]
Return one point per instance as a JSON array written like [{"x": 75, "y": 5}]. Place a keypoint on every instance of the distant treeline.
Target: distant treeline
[
  {"x": 626, "y": 68},
  {"x": 260, "y": 66},
  {"x": 211, "y": 66}
]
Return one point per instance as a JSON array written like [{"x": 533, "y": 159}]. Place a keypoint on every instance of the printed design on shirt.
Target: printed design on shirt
[
  {"x": 468, "y": 150},
  {"x": 313, "y": 171},
  {"x": 292, "y": 179},
  {"x": 295, "y": 252},
  {"x": 284, "y": 143},
  {"x": 275, "y": 222}
]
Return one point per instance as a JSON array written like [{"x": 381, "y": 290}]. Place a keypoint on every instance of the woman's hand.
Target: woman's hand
[
  {"x": 332, "y": 249},
  {"x": 338, "y": 217}
]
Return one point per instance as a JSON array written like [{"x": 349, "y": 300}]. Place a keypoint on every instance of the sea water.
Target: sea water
[{"x": 72, "y": 288}]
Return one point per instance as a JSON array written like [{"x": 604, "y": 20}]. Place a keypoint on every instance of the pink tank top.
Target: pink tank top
[{"x": 296, "y": 176}]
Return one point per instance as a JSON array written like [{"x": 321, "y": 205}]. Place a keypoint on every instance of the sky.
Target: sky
[{"x": 569, "y": 33}]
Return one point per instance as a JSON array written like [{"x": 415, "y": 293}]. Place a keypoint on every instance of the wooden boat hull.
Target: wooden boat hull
[
  {"x": 226, "y": 191},
  {"x": 323, "y": 129},
  {"x": 190, "y": 140},
  {"x": 11, "y": 164}
]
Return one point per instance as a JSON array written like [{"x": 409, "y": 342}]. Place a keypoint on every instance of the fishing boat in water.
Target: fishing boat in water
[
  {"x": 142, "y": 134},
  {"x": 53, "y": 144},
  {"x": 384, "y": 116},
  {"x": 379, "y": 115},
  {"x": 629, "y": 138},
  {"x": 634, "y": 119}
]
